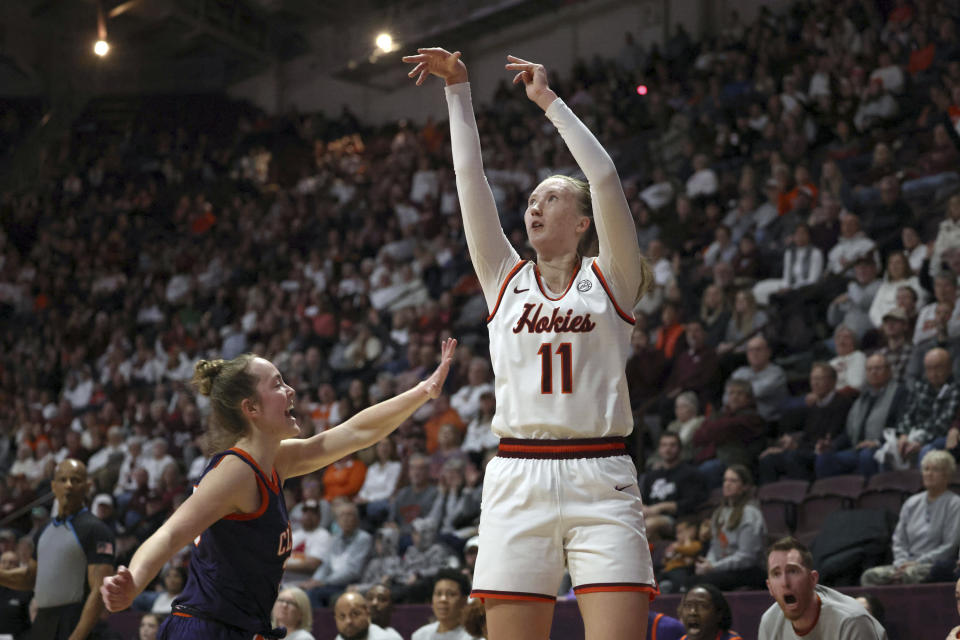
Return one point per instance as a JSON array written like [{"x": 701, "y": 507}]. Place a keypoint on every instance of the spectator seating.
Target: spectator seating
[
  {"x": 825, "y": 496},
  {"x": 888, "y": 490},
  {"x": 779, "y": 502}
]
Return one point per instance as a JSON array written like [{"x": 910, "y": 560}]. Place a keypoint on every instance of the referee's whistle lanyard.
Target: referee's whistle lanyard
[{"x": 57, "y": 522}]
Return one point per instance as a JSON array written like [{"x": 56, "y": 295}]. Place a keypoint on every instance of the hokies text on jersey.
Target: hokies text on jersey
[{"x": 532, "y": 321}]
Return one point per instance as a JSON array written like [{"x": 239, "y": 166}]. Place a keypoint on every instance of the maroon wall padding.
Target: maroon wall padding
[{"x": 917, "y": 611}]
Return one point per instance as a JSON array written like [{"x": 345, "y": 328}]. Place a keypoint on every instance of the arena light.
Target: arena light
[
  {"x": 641, "y": 89},
  {"x": 101, "y": 47},
  {"x": 385, "y": 42}
]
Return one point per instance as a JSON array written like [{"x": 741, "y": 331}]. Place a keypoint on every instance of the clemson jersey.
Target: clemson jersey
[
  {"x": 559, "y": 360},
  {"x": 237, "y": 563}
]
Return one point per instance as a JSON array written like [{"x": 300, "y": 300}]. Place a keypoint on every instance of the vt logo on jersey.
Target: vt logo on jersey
[{"x": 557, "y": 322}]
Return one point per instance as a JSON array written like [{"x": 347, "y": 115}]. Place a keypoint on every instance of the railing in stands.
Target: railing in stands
[{"x": 19, "y": 513}]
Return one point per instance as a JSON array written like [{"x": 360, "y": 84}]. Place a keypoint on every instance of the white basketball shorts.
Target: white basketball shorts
[{"x": 548, "y": 504}]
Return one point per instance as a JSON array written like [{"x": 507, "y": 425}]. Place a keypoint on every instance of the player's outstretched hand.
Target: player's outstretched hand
[
  {"x": 118, "y": 591},
  {"x": 439, "y": 62},
  {"x": 434, "y": 383},
  {"x": 534, "y": 78}
]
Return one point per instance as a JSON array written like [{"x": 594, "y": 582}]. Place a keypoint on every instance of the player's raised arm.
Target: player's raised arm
[
  {"x": 438, "y": 62},
  {"x": 298, "y": 457},
  {"x": 490, "y": 251},
  {"x": 619, "y": 258}
]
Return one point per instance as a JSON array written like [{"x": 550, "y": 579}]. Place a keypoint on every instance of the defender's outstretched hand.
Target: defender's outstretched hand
[
  {"x": 118, "y": 591},
  {"x": 439, "y": 62},
  {"x": 534, "y": 77},
  {"x": 434, "y": 383}
]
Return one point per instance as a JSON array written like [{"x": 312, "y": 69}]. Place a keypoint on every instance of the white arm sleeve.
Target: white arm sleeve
[
  {"x": 619, "y": 257},
  {"x": 490, "y": 251}
]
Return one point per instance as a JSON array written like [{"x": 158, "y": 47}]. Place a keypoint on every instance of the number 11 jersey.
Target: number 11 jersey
[{"x": 559, "y": 360}]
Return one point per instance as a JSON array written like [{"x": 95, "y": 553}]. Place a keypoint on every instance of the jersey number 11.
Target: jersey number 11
[{"x": 565, "y": 351}]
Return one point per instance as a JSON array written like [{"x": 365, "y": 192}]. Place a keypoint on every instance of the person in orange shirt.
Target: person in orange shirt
[
  {"x": 343, "y": 478},
  {"x": 671, "y": 330},
  {"x": 802, "y": 180},
  {"x": 443, "y": 414},
  {"x": 922, "y": 55}
]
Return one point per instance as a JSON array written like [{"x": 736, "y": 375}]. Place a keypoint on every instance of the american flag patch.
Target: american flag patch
[{"x": 105, "y": 548}]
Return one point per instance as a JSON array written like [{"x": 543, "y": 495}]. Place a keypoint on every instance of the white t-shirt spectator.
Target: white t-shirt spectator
[
  {"x": 424, "y": 183},
  {"x": 154, "y": 468},
  {"x": 891, "y": 77},
  {"x": 926, "y": 327},
  {"x": 467, "y": 399},
  {"x": 380, "y": 481},
  {"x": 851, "y": 370},
  {"x": 847, "y": 250},
  {"x": 702, "y": 183},
  {"x": 429, "y": 632},
  {"x": 658, "y": 195}
]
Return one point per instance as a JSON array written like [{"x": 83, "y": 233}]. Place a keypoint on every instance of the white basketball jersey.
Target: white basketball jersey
[{"x": 559, "y": 361}]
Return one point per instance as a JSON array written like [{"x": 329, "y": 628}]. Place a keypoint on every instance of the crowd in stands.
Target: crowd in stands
[{"x": 795, "y": 183}]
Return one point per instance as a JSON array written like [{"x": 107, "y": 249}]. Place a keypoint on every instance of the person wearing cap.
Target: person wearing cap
[
  {"x": 102, "y": 507},
  {"x": 470, "y": 550},
  {"x": 310, "y": 544},
  {"x": 312, "y": 489},
  {"x": 74, "y": 554},
  {"x": 896, "y": 343}
]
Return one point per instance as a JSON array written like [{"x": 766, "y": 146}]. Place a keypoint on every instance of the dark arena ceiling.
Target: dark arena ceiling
[{"x": 207, "y": 45}]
